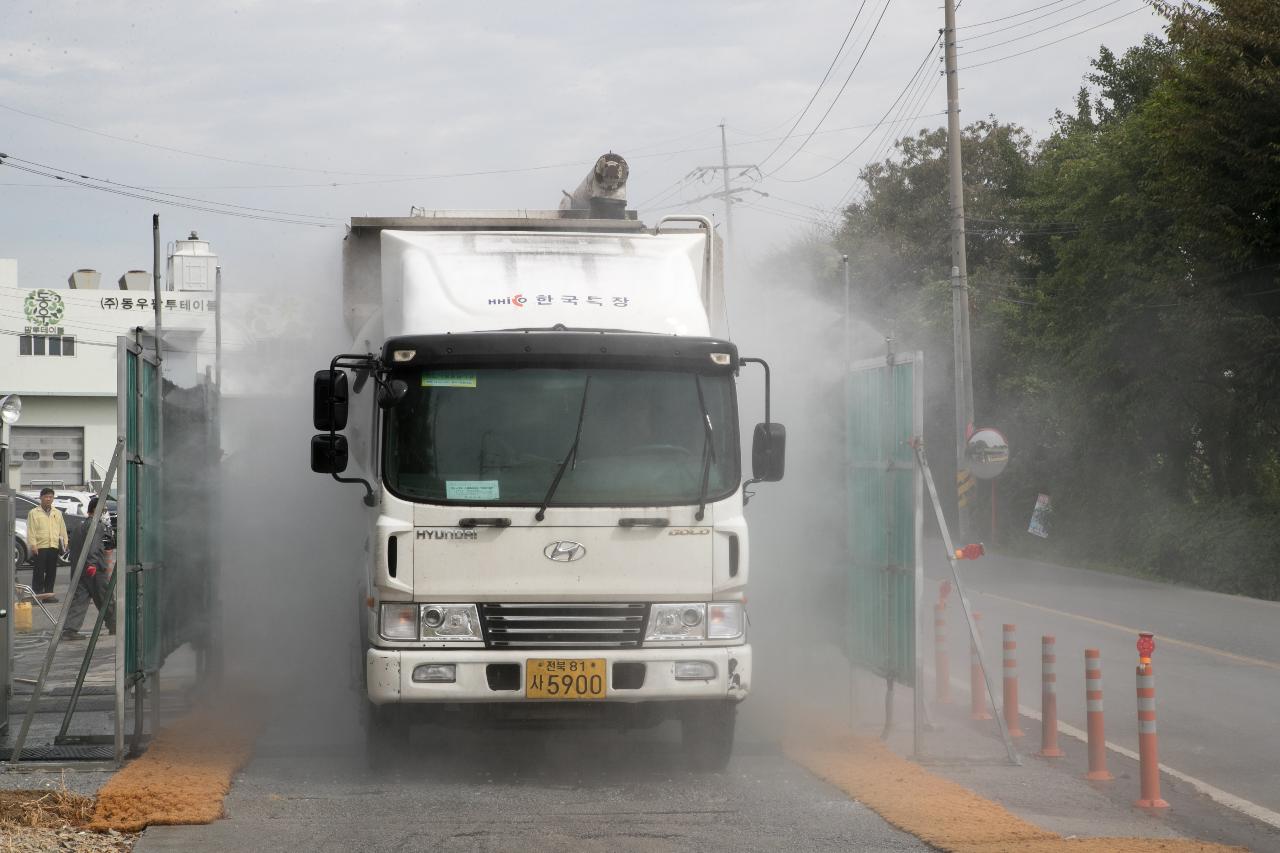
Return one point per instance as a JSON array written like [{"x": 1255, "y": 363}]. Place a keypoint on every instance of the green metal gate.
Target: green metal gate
[
  {"x": 167, "y": 505},
  {"x": 885, "y": 411},
  {"x": 141, "y": 535}
]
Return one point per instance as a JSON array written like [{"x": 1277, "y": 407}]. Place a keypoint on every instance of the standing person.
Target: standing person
[
  {"x": 93, "y": 580},
  {"x": 47, "y": 534}
]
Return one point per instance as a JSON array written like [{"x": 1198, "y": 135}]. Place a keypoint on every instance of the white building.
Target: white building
[{"x": 58, "y": 351}]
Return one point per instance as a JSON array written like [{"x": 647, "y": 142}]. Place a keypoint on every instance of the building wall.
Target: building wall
[
  {"x": 80, "y": 390},
  {"x": 96, "y": 415}
]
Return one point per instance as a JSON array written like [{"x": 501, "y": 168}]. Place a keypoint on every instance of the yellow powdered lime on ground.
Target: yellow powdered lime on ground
[
  {"x": 183, "y": 776},
  {"x": 943, "y": 813}
]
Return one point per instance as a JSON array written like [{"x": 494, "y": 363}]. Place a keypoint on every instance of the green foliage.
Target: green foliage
[{"x": 1125, "y": 279}]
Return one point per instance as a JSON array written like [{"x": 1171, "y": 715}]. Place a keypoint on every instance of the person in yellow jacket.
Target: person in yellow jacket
[{"x": 47, "y": 536}]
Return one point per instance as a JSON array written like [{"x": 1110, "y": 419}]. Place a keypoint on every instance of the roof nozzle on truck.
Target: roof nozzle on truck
[{"x": 603, "y": 191}]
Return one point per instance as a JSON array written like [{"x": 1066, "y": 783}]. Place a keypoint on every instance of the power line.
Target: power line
[
  {"x": 988, "y": 33},
  {"x": 4, "y": 157},
  {"x": 877, "y": 125},
  {"x": 157, "y": 200},
  {"x": 1051, "y": 43},
  {"x": 823, "y": 82},
  {"x": 1040, "y": 31},
  {"x": 183, "y": 151},
  {"x": 662, "y": 194},
  {"x": 843, "y": 86},
  {"x": 912, "y": 103},
  {"x": 784, "y": 214},
  {"x": 1010, "y": 17}
]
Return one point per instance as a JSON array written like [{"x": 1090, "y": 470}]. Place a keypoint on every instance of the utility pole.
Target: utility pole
[
  {"x": 848, "y": 335},
  {"x": 728, "y": 200},
  {"x": 959, "y": 279},
  {"x": 729, "y": 192}
]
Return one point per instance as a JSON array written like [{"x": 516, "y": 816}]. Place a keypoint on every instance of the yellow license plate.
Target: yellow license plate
[{"x": 564, "y": 679}]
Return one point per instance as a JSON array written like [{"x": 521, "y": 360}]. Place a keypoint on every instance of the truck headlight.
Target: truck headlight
[
  {"x": 694, "y": 621},
  {"x": 457, "y": 622},
  {"x": 724, "y": 621},
  {"x": 677, "y": 622},
  {"x": 399, "y": 621}
]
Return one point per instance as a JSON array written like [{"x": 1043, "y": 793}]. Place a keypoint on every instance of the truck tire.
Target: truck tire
[
  {"x": 386, "y": 734},
  {"x": 706, "y": 731}
]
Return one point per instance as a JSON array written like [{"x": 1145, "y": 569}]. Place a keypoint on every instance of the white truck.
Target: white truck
[{"x": 541, "y": 407}]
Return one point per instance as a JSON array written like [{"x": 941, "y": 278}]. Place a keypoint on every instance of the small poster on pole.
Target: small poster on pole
[{"x": 1039, "y": 525}]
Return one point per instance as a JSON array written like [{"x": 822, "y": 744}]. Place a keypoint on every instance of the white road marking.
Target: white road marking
[{"x": 1225, "y": 798}]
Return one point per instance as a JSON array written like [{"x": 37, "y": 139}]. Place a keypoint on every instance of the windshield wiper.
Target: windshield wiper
[
  {"x": 571, "y": 456},
  {"x": 708, "y": 448}
]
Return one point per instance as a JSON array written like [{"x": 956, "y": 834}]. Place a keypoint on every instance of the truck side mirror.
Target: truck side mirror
[
  {"x": 329, "y": 454},
  {"x": 329, "y": 401},
  {"x": 768, "y": 452}
]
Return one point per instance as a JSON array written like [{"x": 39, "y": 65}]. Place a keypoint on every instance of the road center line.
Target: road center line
[{"x": 1134, "y": 631}]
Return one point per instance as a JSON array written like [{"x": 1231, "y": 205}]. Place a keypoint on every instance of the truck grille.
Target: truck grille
[{"x": 563, "y": 626}]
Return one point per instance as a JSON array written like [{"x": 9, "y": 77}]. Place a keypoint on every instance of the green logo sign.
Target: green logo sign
[{"x": 44, "y": 308}]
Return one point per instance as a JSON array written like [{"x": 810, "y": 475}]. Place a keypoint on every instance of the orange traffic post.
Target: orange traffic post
[
  {"x": 1093, "y": 711},
  {"x": 1148, "y": 754},
  {"x": 977, "y": 685},
  {"x": 1011, "y": 682},
  {"x": 941, "y": 663},
  {"x": 1048, "y": 699}
]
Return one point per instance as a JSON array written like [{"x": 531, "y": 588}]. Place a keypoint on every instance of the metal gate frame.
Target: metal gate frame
[
  {"x": 139, "y": 549},
  {"x": 884, "y": 399}
]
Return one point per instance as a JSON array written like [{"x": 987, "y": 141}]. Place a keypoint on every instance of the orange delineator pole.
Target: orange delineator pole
[
  {"x": 1148, "y": 755},
  {"x": 1048, "y": 699},
  {"x": 977, "y": 686},
  {"x": 941, "y": 663},
  {"x": 1011, "y": 682},
  {"x": 1093, "y": 712}
]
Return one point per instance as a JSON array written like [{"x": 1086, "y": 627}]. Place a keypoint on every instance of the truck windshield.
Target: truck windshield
[{"x": 499, "y": 436}]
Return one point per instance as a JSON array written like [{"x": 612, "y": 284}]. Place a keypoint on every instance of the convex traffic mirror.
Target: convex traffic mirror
[{"x": 988, "y": 453}]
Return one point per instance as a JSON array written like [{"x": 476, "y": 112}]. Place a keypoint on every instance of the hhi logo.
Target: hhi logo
[{"x": 518, "y": 300}]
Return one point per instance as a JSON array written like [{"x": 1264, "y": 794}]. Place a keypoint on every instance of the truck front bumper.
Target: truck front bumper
[{"x": 389, "y": 674}]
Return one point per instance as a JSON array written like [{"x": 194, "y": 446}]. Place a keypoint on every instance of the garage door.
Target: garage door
[{"x": 50, "y": 456}]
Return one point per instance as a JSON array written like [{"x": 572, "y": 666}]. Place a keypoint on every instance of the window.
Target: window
[
  {"x": 30, "y": 456},
  {"x": 46, "y": 345},
  {"x": 501, "y": 436},
  {"x": 61, "y": 455}
]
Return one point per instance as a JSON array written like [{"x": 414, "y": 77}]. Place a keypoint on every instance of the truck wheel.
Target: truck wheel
[
  {"x": 386, "y": 734},
  {"x": 706, "y": 730}
]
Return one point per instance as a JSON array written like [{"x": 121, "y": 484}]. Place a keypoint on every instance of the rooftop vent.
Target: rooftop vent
[
  {"x": 84, "y": 280},
  {"x": 136, "y": 280}
]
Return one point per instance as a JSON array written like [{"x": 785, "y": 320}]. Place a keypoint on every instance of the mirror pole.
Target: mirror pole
[{"x": 768, "y": 392}]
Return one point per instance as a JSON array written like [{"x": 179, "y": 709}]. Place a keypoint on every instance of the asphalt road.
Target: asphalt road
[
  {"x": 531, "y": 791},
  {"x": 1217, "y": 661}
]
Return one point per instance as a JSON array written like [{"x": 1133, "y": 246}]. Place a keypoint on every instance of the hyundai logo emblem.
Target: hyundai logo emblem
[{"x": 564, "y": 552}]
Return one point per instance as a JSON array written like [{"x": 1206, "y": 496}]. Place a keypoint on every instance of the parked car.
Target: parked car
[{"x": 21, "y": 553}]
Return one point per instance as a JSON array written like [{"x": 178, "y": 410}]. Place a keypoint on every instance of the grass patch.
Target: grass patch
[{"x": 45, "y": 809}]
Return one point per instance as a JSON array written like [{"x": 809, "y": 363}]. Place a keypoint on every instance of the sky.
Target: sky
[{"x": 273, "y": 123}]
